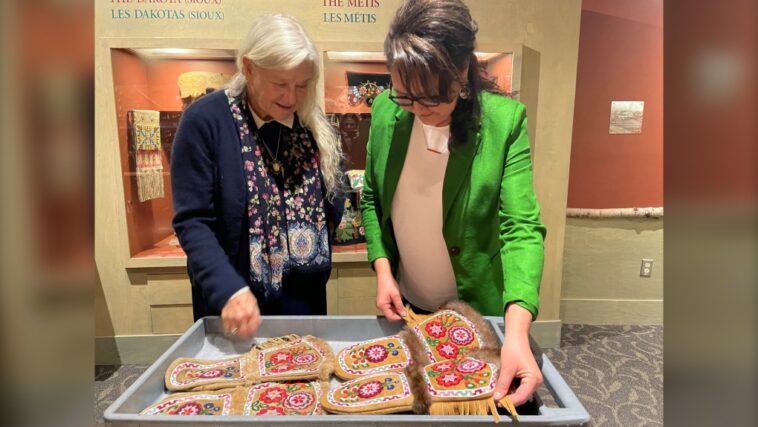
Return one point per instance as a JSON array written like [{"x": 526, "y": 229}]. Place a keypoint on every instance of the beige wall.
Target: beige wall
[
  {"x": 128, "y": 299},
  {"x": 601, "y": 271}
]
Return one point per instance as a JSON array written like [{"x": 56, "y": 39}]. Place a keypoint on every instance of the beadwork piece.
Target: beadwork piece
[
  {"x": 383, "y": 393},
  {"x": 283, "y": 399},
  {"x": 205, "y": 403},
  {"x": 286, "y": 358},
  {"x": 194, "y": 373},
  {"x": 460, "y": 379},
  {"x": 146, "y": 132},
  {"x": 447, "y": 335},
  {"x": 372, "y": 356},
  {"x": 292, "y": 398},
  {"x": 298, "y": 358}
]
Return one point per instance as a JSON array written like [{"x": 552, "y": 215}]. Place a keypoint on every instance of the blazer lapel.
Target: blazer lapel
[
  {"x": 458, "y": 166},
  {"x": 400, "y": 134}
]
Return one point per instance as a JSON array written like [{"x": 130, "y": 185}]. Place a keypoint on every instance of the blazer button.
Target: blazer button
[{"x": 455, "y": 250}]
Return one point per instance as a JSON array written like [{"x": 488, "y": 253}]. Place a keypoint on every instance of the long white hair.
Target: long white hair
[{"x": 279, "y": 42}]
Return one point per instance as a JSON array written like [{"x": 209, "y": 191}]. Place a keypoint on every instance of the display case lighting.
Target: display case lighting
[
  {"x": 355, "y": 56},
  {"x": 184, "y": 53},
  {"x": 487, "y": 56},
  {"x": 348, "y": 56}
]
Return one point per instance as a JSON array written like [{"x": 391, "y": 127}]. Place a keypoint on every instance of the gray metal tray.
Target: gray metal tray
[{"x": 205, "y": 340}]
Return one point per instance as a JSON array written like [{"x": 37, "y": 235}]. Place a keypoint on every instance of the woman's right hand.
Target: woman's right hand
[
  {"x": 241, "y": 315},
  {"x": 388, "y": 299}
]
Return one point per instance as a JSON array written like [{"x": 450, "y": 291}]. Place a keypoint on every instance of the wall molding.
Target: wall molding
[
  {"x": 651, "y": 212},
  {"x": 612, "y": 311}
]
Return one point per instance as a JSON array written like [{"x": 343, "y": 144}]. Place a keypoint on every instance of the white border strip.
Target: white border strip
[{"x": 615, "y": 213}]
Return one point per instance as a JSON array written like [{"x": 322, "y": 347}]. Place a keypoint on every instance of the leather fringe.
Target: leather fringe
[
  {"x": 412, "y": 319},
  {"x": 150, "y": 185},
  {"x": 467, "y": 407},
  {"x": 273, "y": 342}
]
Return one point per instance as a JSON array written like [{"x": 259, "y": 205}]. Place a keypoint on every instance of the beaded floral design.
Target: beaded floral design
[
  {"x": 295, "y": 358},
  {"x": 196, "y": 404},
  {"x": 365, "y": 91},
  {"x": 447, "y": 336},
  {"x": 283, "y": 399},
  {"x": 461, "y": 378},
  {"x": 193, "y": 373},
  {"x": 373, "y": 356},
  {"x": 371, "y": 390}
]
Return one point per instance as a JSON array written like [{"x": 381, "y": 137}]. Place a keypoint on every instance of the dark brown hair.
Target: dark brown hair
[{"x": 429, "y": 44}]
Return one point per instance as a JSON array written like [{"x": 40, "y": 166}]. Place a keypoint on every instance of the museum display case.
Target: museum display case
[{"x": 151, "y": 87}]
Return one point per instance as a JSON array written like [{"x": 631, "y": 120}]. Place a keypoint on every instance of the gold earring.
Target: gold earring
[{"x": 464, "y": 92}]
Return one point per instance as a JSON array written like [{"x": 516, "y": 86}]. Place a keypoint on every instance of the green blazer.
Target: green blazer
[{"x": 490, "y": 215}]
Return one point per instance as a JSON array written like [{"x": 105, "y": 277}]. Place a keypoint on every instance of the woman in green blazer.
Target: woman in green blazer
[{"x": 448, "y": 206}]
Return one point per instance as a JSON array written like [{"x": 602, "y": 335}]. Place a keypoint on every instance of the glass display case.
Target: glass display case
[{"x": 151, "y": 88}]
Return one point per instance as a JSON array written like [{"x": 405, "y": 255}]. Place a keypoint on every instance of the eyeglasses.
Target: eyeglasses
[{"x": 407, "y": 101}]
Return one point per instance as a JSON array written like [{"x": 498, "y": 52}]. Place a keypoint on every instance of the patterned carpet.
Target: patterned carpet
[{"x": 616, "y": 371}]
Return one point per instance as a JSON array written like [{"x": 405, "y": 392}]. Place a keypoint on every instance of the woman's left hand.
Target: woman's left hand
[{"x": 517, "y": 360}]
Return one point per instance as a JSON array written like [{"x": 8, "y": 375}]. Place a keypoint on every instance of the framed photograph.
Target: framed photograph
[{"x": 626, "y": 117}]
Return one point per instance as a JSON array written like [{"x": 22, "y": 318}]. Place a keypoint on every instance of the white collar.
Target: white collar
[
  {"x": 288, "y": 122},
  {"x": 436, "y": 137}
]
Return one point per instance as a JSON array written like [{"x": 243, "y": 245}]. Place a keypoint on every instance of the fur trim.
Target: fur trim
[
  {"x": 327, "y": 366},
  {"x": 415, "y": 374},
  {"x": 273, "y": 342},
  {"x": 415, "y": 347},
  {"x": 490, "y": 355}
]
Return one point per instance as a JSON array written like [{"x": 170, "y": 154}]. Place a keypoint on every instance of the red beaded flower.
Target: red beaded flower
[
  {"x": 273, "y": 395},
  {"x": 281, "y": 357},
  {"x": 271, "y": 410},
  {"x": 370, "y": 389},
  {"x": 447, "y": 350},
  {"x": 278, "y": 369},
  {"x": 449, "y": 379},
  {"x": 435, "y": 329},
  {"x": 444, "y": 367},
  {"x": 376, "y": 353},
  {"x": 189, "y": 408}
]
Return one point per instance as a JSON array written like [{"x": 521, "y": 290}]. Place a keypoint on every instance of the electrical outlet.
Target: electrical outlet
[{"x": 646, "y": 268}]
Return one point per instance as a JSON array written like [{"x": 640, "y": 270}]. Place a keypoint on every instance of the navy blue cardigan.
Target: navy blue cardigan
[{"x": 210, "y": 202}]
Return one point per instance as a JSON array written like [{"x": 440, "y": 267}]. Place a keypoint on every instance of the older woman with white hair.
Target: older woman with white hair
[{"x": 256, "y": 178}]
